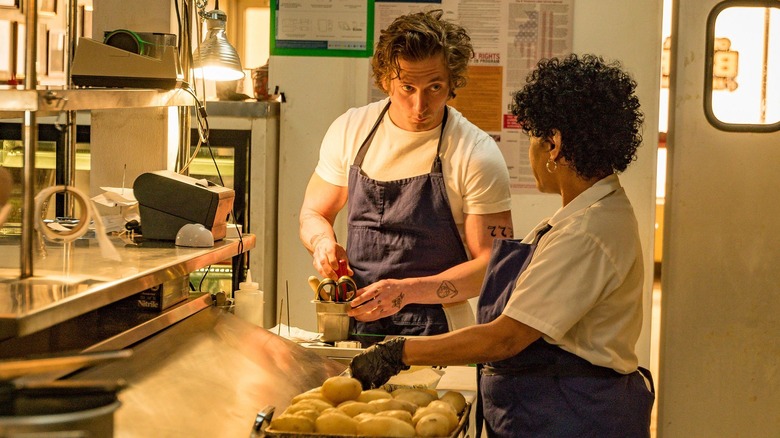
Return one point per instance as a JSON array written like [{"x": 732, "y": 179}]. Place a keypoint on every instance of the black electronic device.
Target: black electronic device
[{"x": 167, "y": 201}]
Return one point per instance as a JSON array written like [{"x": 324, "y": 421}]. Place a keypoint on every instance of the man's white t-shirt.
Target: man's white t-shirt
[{"x": 475, "y": 173}]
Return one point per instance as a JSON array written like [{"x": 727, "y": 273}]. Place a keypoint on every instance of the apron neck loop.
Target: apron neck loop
[
  {"x": 541, "y": 233},
  {"x": 435, "y": 167}
]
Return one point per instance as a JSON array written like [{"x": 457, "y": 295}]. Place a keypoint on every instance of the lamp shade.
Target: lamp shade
[{"x": 216, "y": 58}]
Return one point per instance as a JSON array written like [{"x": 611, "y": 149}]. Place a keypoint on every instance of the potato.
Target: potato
[
  {"x": 399, "y": 414},
  {"x": 456, "y": 399},
  {"x": 333, "y": 411},
  {"x": 363, "y": 416},
  {"x": 309, "y": 395},
  {"x": 394, "y": 404},
  {"x": 439, "y": 404},
  {"x": 385, "y": 426},
  {"x": 353, "y": 408},
  {"x": 419, "y": 397},
  {"x": 433, "y": 424},
  {"x": 339, "y": 389},
  {"x": 311, "y": 414},
  {"x": 335, "y": 424},
  {"x": 311, "y": 403},
  {"x": 374, "y": 394},
  {"x": 443, "y": 408},
  {"x": 292, "y": 423}
]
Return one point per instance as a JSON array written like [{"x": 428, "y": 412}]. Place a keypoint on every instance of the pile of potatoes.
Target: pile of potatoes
[{"x": 341, "y": 407}]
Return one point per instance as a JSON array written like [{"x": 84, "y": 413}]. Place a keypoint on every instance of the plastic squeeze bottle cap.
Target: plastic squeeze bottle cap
[{"x": 248, "y": 285}]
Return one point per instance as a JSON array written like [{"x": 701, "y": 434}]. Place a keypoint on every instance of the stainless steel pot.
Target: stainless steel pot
[
  {"x": 61, "y": 408},
  {"x": 78, "y": 408}
]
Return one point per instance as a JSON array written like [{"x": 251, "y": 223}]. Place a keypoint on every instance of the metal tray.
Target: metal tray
[{"x": 264, "y": 418}]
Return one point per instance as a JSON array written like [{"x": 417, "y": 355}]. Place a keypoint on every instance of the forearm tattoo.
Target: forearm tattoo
[
  {"x": 315, "y": 239},
  {"x": 446, "y": 290},
  {"x": 498, "y": 231}
]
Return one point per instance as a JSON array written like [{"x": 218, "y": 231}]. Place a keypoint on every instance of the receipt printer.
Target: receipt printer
[{"x": 167, "y": 201}]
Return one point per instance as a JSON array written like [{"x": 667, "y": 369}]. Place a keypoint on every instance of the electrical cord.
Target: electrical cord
[
  {"x": 201, "y": 114},
  {"x": 200, "y": 283},
  {"x": 203, "y": 128},
  {"x": 232, "y": 211}
]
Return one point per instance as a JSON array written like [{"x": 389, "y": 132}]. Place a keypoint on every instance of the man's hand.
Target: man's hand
[
  {"x": 326, "y": 253},
  {"x": 379, "y": 300},
  {"x": 378, "y": 364}
]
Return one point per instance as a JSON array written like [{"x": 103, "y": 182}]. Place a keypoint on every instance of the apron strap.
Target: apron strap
[
  {"x": 552, "y": 370},
  {"x": 648, "y": 376},
  {"x": 364, "y": 147},
  {"x": 436, "y": 166},
  {"x": 541, "y": 233},
  {"x": 479, "y": 416}
]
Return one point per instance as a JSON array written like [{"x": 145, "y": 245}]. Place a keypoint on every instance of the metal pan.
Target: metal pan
[
  {"x": 264, "y": 418},
  {"x": 15, "y": 368}
]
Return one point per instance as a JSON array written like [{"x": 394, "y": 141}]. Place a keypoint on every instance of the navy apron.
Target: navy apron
[
  {"x": 545, "y": 391},
  {"x": 401, "y": 229}
]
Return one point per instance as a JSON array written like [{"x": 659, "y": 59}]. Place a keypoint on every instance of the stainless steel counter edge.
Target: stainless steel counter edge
[
  {"x": 104, "y": 293},
  {"x": 149, "y": 328}
]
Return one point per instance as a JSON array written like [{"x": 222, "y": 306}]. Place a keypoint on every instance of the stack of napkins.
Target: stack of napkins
[
  {"x": 414, "y": 377},
  {"x": 116, "y": 197}
]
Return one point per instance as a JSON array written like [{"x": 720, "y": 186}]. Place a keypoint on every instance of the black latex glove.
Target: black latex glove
[{"x": 378, "y": 364}]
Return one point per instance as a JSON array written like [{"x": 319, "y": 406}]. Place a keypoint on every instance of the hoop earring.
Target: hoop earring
[{"x": 555, "y": 168}]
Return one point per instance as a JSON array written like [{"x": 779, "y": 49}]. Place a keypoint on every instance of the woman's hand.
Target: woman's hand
[
  {"x": 377, "y": 364},
  {"x": 379, "y": 300}
]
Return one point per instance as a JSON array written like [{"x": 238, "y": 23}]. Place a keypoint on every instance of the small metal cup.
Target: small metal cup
[{"x": 332, "y": 320}]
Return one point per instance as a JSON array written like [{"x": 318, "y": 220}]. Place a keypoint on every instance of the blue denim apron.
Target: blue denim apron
[
  {"x": 544, "y": 391},
  {"x": 401, "y": 229}
]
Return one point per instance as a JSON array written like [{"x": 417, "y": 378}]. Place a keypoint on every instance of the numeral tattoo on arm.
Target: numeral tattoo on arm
[
  {"x": 446, "y": 290},
  {"x": 496, "y": 231}
]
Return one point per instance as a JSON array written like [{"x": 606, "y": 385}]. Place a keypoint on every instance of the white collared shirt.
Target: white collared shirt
[{"x": 583, "y": 287}]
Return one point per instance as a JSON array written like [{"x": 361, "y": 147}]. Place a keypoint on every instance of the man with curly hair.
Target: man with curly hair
[
  {"x": 560, "y": 311},
  {"x": 426, "y": 191}
]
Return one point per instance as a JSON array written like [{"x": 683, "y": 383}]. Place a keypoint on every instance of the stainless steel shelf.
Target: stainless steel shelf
[
  {"x": 73, "y": 280},
  {"x": 63, "y": 99},
  {"x": 250, "y": 109},
  {"x": 12, "y": 99}
]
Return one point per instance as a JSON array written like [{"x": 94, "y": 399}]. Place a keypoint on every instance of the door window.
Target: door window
[{"x": 742, "y": 71}]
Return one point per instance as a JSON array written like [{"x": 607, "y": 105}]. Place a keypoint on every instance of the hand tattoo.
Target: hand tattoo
[{"x": 397, "y": 300}]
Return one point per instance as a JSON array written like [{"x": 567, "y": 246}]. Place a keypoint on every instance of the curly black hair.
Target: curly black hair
[
  {"x": 593, "y": 105},
  {"x": 418, "y": 36}
]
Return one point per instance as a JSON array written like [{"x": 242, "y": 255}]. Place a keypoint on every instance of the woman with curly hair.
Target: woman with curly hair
[{"x": 560, "y": 311}]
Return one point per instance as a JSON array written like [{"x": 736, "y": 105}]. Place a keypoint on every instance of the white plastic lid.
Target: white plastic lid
[{"x": 248, "y": 285}]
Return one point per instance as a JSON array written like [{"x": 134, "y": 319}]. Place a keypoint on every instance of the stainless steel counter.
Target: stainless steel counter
[
  {"x": 74, "y": 279},
  {"x": 208, "y": 376}
]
